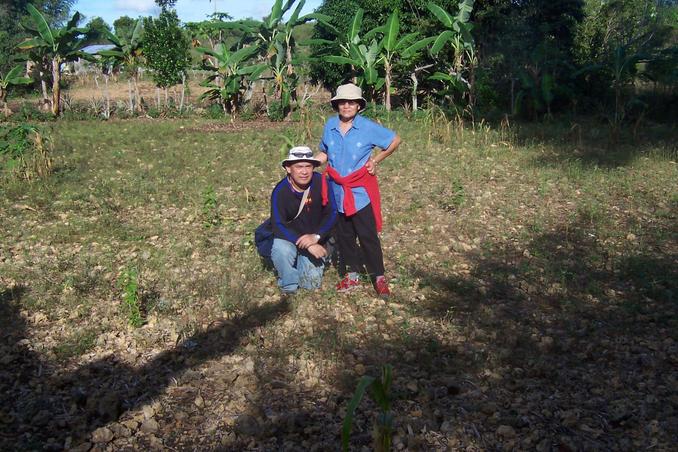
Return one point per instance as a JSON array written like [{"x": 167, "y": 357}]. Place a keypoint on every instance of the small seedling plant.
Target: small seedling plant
[
  {"x": 129, "y": 281},
  {"x": 380, "y": 390},
  {"x": 210, "y": 212}
]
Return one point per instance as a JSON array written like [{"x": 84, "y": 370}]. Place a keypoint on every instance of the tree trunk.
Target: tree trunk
[
  {"x": 387, "y": 82},
  {"x": 472, "y": 84},
  {"x": 107, "y": 113},
  {"x": 137, "y": 98},
  {"x": 43, "y": 85},
  {"x": 56, "y": 86},
  {"x": 131, "y": 98},
  {"x": 415, "y": 85},
  {"x": 183, "y": 91}
]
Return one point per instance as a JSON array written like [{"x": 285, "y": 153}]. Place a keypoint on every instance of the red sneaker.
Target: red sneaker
[
  {"x": 347, "y": 284},
  {"x": 381, "y": 286}
]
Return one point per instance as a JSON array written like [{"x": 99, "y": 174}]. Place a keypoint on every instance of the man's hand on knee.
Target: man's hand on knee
[
  {"x": 306, "y": 240},
  {"x": 317, "y": 251}
]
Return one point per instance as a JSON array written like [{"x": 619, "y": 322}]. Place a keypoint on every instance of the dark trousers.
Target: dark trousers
[{"x": 363, "y": 227}]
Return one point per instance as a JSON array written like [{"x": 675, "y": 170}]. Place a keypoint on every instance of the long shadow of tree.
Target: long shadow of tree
[
  {"x": 579, "y": 346},
  {"x": 92, "y": 395},
  {"x": 588, "y": 142},
  {"x": 565, "y": 346}
]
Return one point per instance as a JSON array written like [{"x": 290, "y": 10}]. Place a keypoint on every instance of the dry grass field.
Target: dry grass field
[{"x": 533, "y": 269}]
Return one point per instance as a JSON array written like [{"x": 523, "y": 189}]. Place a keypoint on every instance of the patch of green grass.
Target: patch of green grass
[{"x": 78, "y": 343}]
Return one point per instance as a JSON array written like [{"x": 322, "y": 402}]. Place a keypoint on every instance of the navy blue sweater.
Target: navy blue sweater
[{"x": 314, "y": 219}]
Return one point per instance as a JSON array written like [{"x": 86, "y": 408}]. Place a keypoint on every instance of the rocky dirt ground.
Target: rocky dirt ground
[{"x": 522, "y": 318}]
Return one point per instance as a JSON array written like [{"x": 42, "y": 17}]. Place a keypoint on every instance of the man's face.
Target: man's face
[
  {"x": 348, "y": 108},
  {"x": 301, "y": 173}
]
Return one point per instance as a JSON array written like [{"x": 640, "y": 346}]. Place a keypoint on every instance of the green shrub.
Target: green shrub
[
  {"x": 24, "y": 152},
  {"x": 276, "y": 112},
  {"x": 129, "y": 282},
  {"x": 215, "y": 111}
]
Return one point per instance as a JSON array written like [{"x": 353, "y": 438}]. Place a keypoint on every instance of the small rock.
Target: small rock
[
  {"x": 155, "y": 442},
  {"x": 360, "y": 369},
  {"x": 506, "y": 431},
  {"x": 120, "y": 431},
  {"x": 199, "y": 401},
  {"x": 131, "y": 424},
  {"x": 148, "y": 411},
  {"x": 150, "y": 426},
  {"x": 102, "y": 435},
  {"x": 412, "y": 386},
  {"x": 447, "y": 427},
  {"x": 631, "y": 237}
]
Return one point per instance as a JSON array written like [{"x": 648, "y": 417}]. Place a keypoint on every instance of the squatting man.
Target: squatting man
[{"x": 301, "y": 223}]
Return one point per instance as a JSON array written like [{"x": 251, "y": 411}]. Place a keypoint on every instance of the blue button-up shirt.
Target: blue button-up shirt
[{"x": 350, "y": 152}]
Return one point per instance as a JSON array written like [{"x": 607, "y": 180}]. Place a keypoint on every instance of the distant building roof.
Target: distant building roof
[{"x": 97, "y": 47}]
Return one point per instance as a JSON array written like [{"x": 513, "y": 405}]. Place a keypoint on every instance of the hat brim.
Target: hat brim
[
  {"x": 316, "y": 163},
  {"x": 360, "y": 100}
]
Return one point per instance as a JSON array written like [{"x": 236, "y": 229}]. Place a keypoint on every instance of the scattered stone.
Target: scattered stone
[
  {"x": 102, "y": 435},
  {"x": 150, "y": 426},
  {"x": 148, "y": 411},
  {"x": 199, "y": 401},
  {"x": 506, "y": 431},
  {"x": 120, "y": 431},
  {"x": 412, "y": 386}
]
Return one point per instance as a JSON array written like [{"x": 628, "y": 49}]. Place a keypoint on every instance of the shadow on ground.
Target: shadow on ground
[
  {"x": 92, "y": 395},
  {"x": 592, "y": 144}
]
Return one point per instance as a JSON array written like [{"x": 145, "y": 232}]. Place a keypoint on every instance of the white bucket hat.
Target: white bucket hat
[
  {"x": 300, "y": 154},
  {"x": 349, "y": 91}
]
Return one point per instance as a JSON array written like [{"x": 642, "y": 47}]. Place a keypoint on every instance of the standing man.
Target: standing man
[
  {"x": 347, "y": 144},
  {"x": 301, "y": 223}
]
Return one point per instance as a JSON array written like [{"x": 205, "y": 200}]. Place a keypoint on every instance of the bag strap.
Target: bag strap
[{"x": 302, "y": 204}]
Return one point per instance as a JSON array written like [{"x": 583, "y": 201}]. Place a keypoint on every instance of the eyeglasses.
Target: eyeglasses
[
  {"x": 346, "y": 101},
  {"x": 302, "y": 155}
]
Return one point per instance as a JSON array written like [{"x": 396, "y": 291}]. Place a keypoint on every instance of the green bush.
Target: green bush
[
  {"x": 24, "y": 152},
  {"x": 276, "y": 112}
]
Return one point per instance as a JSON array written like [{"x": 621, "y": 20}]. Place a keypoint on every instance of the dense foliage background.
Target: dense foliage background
[{"x": 616, "y": 59}]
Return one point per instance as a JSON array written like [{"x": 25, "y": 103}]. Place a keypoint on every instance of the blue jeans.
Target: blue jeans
[{"x": 296, "y": 268}]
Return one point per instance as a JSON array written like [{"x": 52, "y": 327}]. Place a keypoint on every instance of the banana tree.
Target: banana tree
[
  {"x": 128, "y": 54},
  {"x": 278, "y": 46},
  {"x": 458, "y": 34},
  {"x": 287, "y": 36},
  {"x": 229, "y": 75},
  {"x": 364, "y": 62},
  {"x": 395, "y": 47},
  {"x": 13, "y": 77},
  {"x": 362, "y": 54},
  {"x": 61, "y": 44}
]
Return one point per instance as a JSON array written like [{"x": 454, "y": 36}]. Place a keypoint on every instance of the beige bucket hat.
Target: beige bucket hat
[
  {"x": 349, "y": 91},
  {"x": 300, "y": 154}
]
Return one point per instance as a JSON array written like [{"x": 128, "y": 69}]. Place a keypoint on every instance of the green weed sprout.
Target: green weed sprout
[
  {"x": 383, "y": 425},
  {"x": 129, "y": 280},
  {"x": 210, "y": 213}
]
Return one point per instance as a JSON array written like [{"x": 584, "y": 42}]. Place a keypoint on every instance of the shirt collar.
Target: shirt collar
[{"x": 357, "y": 121}]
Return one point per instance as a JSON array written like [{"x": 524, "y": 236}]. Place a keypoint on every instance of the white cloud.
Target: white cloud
[{"x": 138, "y": 6}]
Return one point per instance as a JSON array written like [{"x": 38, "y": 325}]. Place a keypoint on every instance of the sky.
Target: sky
[{"x": 187, "y": 10}]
